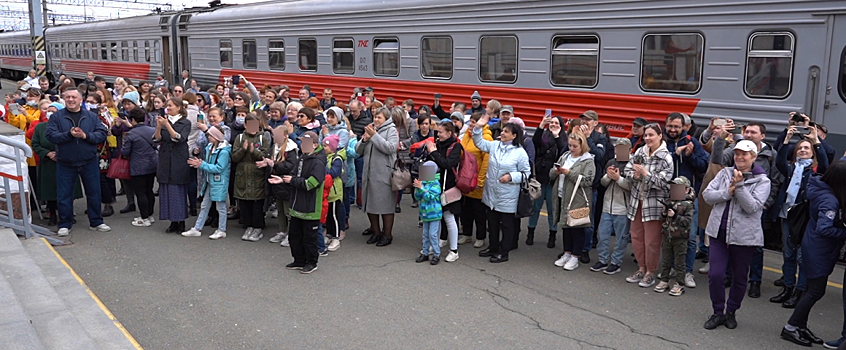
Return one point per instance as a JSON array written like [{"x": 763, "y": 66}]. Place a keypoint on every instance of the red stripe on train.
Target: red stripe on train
[
  {"x": 16, "y": 61},
  {"x": 615, "y": 110},
  {"x": 134, "y": 71}
]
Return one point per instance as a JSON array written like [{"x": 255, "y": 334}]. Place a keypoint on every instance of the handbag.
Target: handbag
[
  {"x": 535, "y": 187},
  {"x": 524, "y": 199},
  {"x": 798, "y": 217},
  {"x": 451, "y": 195},
  {"x": 400, "y": 177},
  {"x": 579, "y": 216},
  {"x": 119, "y": 169}
]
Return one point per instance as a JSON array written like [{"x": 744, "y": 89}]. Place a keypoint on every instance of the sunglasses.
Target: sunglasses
[
  {"x": 239, "y": 99},
  {"x": 301, "y": 115},
  {"x": 177, "y": 90}
]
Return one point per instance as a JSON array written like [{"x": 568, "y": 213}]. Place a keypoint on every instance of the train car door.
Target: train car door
[
  {"x": 166, "y": 60},
  {"x": 184, "y": 57},
  {"x": 834, "y": 107}
]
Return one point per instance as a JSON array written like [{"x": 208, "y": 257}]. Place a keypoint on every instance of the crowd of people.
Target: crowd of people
[{"x": 676, "y": 191}]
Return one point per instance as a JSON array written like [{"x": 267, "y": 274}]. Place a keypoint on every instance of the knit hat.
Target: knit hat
[
  {"x": 476, "y": 96},
  {"x": 58, "y": 106},
  {"x": 430, "y": 164},
  {"x": 216, "y": 134},
  {"x": 131, "y": 96},
  {"x": 456, "y": 115},
  {"x": 517, "y": 121},
  {"x": 331, "y": 142}
]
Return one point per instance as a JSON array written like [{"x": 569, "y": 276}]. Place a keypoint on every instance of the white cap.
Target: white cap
[{"x": 746, "y": 146}]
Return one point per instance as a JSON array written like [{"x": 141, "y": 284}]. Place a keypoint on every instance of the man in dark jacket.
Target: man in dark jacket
[
  {"x": 359, "y": 120},
  {"x": 306, "y": 203},
  {"x": 76, "y": 133},
  {"x": 476, "y": 104},
  {"x": 636, "y": 136}
]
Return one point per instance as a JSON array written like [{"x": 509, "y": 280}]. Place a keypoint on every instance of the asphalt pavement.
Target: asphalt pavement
[{"x": 173, "y": 292}]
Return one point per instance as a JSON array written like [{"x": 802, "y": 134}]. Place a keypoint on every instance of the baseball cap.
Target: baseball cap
[
  {"x": 507, "y": 108},
  {"x": 310, "y": 135},
  {"x": 590, "y": 115},
  {"x": 746, "y": 146},
  {"x": 640, "y": 121}
]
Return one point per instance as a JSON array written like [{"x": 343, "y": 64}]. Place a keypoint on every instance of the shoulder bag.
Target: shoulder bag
[
  {"x": 119, "y": 168},
  {"x": 524, "y": 199},
  {"x": 579, "y": 216},
  {"x": 534, "y": 187},
  {"x": 400, "y": 177}
]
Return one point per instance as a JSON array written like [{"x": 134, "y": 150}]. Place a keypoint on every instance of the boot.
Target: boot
[
  {"x": 551, "y": 242},
  {"x": 181, "y": 227},
  {"x": 107, "y": 210},
  {"x": 128, "y": 208},
  {"x": 530, "y": 237},
  {"x": 173, "y": 228},
  {"x": 794, "y": 299},
  {"x": 783, "y": 295}
]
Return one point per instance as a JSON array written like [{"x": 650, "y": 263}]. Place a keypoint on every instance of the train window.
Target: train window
[
  {"x": 575, "y": 60},
  {"x": 343, "y": 56},
  {"x": 124, "y": 51},
  {"x": 436, "y": 57},
  {"x": 147, "y": 51},
  {"x": 114, "y": 51},
  {"x": 276, "y": 54},
  {"x": 157, "y": 51},
  {"x": 248, "y": 52},
  {"x": 386, "y": 57},
  {"x": 842, "y": 80},
  {"x": 769, "y": 64},
  {"x": 64, "y": 53},
  {"x": 672, "y": 62},
  {"x": 308, "y": 55},
  {"x": 135, "y": 51},
  {"x": 225, "y": 48},
  {"x": 498, "y": 59},
  {"x": 77, "y": 50}
]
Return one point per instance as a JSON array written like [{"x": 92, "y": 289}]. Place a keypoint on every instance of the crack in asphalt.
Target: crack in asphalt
[
  {"x": 496, "y": 299},
  {"x": 631, "y": 329},
  {"x": 378, "y": 266}
]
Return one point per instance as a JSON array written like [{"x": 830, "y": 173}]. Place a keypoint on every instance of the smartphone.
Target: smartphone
[
  {"x": 738, "y": 129},
  {"x": 437, "y": 96},
  {"x": 15, "y": 108},
  {"x": 557, "y": 165},
  {"x": 720, "y": 122},
  {"x": 236, "y": 80},
  {"x": 803, "y": 130},
  {"x": 548, "y": 112}
]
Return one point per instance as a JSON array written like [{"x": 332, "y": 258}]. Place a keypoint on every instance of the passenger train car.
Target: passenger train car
[{"x": 749, "y": 60}]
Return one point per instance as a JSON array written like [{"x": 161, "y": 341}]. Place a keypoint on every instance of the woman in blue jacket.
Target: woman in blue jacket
[
  {"x": 215, "y": 186},
  {"x": 821, "y": 245},
  {"x": 807, "y": 157}
]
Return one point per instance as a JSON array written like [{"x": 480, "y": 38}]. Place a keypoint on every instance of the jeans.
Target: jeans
[
  {"x": 619, "y": 225},
  {"x": 589, "y": 230},
  {"x": 66, "y": 180},
  {"x": 303, "y": 239},
  {"x": 546, "y": 191},
  {"x": 349, "y": 198},
  {"x": 321, "y": 238},
  {"x": 501, "y": 222},
  {"x": 815, "y": 292},
  {"x": 142, "y": 186},
  {"x": 431, "y": 233},
  {"x": 723, "y": 255},
  {"x": 359, "y": 169},
  {"x": 792, "y": 259},
  {"x": 690, "y": 257},
  {"x": 205, "y": 207}
]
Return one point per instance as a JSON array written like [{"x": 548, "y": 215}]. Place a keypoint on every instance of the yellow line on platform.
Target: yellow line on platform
[{"x": 96, "y": 299}]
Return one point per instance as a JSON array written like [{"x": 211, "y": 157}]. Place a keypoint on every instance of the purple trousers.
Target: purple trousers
[{"x": 721, "y": 255}]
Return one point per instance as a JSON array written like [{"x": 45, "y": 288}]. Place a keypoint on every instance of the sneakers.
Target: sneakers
[
  {"x": 323, "y": 252},
  {"x": 139, "y": 222},
  {"x": 834, "y": 344},
  {"x": 479, "y": 243},
  {"x": 463, "y": 240},
  {"x": 677, "y": 290},
  {"x": 247, "y": 233},
  {"x": 689, "y": 282},
  {"x": 611, "y": 269},
  {"x": 647, "y": 281},
  {"x": 64, "y": 231},
  {"x": 422, "y": 258},
  {"x": 278, "y": 237},
  {"x": 662, "y": 287},
  {"x": 442, "y": 243},
  {"x": 715, "y": 321},
  {"x": 334, "y": 244},
  {"x": 152, "y": 219},
  {"x": 635, "y": 278},
  {"x": 572, "y": 263},
  {"x": 704, "y": 269},
  {"x": 285, "y": 242},
  {"x": 308, "y": 268},
  {"x": 192, "y": 233},
  {"x": 452, "y": 256},
  {"x": 256, "y": 235},
  {"x": 100, "y": 228},
  {"x": 295, "y": 266},
  {"x": 218, "y": 234},
  {"x": 562, "y": 260},
  {"x": 599, "y": 266}
]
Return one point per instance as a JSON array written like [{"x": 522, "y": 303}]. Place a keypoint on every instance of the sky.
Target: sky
[{"x": 14, "y": 23}]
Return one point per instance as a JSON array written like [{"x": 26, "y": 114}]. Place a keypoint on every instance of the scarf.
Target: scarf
[
  {"x": 174, "y": 118},
  {"x": 795, "y": 185}
]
